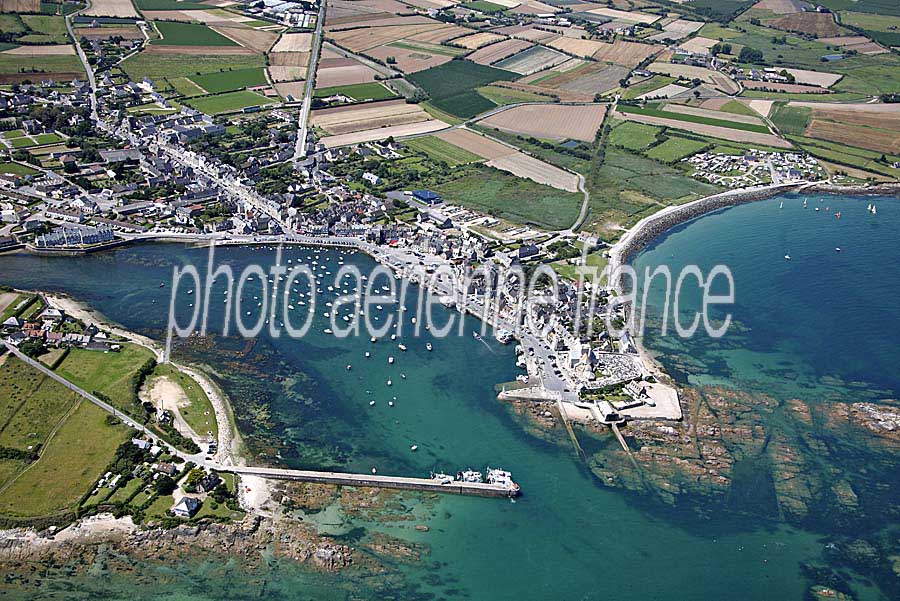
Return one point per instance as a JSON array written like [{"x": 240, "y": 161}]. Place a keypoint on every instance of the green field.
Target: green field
[
  {"x": 429, "y": 48},
  {"x": 39, "y": 65},
  {"x": 11, "y": 23},
  {"x": 791, "y": 119},
  {"x": 49, "y": 138},
  {"x": 16, "y": 169},
  {"x": 451, "y": 86},
  {"x": 654, "y": 112},
  {"x": 359, "y": 92},
  {"x": 439, "y": 150},
  {"x": 645, "y": 87},
  {"x": 71, "y": 462},
  {"x": 109, "y": 373},
  {"x": 31, "y": 405},
  {"x": 628, "y": 187},
  {"x": 503, "y": 96},
  {"x": 189, "y": 34},
  {"x": 199, "y": 413},
  {"x": 484, "y": 6},
  {"x": 674, "y": 149},
  {"x": 228, "y": 102},
  {"x": 226, "y": 81},
  {"x": 23, "y": 142},
  {"x": 512, "y": 198},
  {"x": 168, "y": 67},
  {"x": 633, "y": 136}
]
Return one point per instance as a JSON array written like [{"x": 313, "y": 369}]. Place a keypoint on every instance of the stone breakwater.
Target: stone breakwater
[{"x": 650, "y": 228}]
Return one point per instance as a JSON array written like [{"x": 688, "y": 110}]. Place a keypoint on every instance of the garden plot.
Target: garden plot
[
  {"x": 551, "y": 121},
  {"x": 536, "y": 58}
]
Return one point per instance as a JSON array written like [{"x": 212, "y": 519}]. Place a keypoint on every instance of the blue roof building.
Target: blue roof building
[{"x": 427, "y": 196}]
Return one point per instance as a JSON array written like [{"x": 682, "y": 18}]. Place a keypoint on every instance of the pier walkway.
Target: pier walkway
[{"x": 480, "y": 489}]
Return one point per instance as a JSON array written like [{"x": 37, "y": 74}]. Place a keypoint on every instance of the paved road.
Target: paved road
[
  {"x": 303, "y": 120},
  {"x": 84, "y": 61}
]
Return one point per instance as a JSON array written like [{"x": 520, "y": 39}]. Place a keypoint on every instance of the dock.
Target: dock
[{"x": 479, "y": 489}]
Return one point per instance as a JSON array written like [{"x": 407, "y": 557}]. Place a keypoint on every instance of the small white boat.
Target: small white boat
[
  {"x": 371, "y": 403},
  {"x": 787, "y": 257},
  {"x": 368, "y": 354},
  {"x": 327, "y": 331},
  {"x": 390, "y": 360},
  {"x": 374, "y": 339},
  {"x": 349, "y": 367},
  {"x": 389, "y": 383},
  {"x": 428, "y": 346},
  {"x": 837, "y": 249},
  {"x": 390, "y": 403},
  {"x": 415, "y": 447},
  {"x": 401, "y": 346}
]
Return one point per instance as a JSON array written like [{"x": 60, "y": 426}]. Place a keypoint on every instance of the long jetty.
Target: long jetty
[{"x": 480, "y": 489}]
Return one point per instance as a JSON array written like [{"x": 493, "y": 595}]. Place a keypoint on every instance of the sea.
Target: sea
[{"x": 821, "y": 326}]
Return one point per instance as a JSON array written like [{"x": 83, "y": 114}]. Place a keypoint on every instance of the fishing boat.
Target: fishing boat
[
  {"x": 469, "y": 476},
  {"x": 502, "y": 478},
  {"x": 442, "y": 478},
  {"x": 401, "y": 346}
]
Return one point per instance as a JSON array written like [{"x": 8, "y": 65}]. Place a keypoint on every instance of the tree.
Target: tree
[
  {"x": 750, "y": 55},
  {"x": 164, "y": 485}
]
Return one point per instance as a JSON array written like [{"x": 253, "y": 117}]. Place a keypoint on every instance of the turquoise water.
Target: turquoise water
[{"x": 567, "y": 537}]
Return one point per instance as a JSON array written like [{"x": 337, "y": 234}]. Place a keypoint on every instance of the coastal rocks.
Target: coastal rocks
[{"x": 331, "y": 557}]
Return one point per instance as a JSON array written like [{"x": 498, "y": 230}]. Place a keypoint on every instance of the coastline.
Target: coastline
[
  {"x": 656, "y": 225},
  {"x": 255, "y": 492}
]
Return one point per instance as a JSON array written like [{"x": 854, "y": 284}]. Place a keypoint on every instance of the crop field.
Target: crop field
[
  {"x": 477, "y": 40},
  {"x": 293, "y": 42},
  {"x": 474, "y": 143},
  {"x": 489, "y": 55},
  {"x": 528, "y": 167},
  {"x": 876, "y": 131},
  {"x": 511, "y": 160},
  {"x": 439, "y": 150},
  {"x": 674, "y": 149},
  {"x": 360, "y": 40},
  {"x": 225, "y": 81},
  {"x": 677, "y": 113},
  {"x": 633, "y": 136},
  {"x": 578, "y": 47},
  {"x": 501, "y": 96},
  {"x": 789, "y": 88},
  {"x": 253, "y": 39},
  {"x": 408, "y": 59},
  {"x": 349, "y": 73},
  {"x": 228, "y": 102},
  {"x": 598, "y": 81},
  {"x": 552, "y": 121},
  {"x": 820, "y": 25},
  {"x": 508, "y": 197},
  {"x": 343, "y": 120},
  {"x": 42, "y": 51},
  {"x": 111, "y": 8},
  {"x": 359, "y": 92},
  {"x": 189, "y": 34},
  {"x": 534, "y": 59},
  {"x": 484, "y": 6},
  {"x": 451, "y": 86},
  {"x": 158, "y": 67}
]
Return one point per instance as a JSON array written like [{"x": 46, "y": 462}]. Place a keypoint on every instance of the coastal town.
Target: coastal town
[{"x": 510, "y": 158}]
